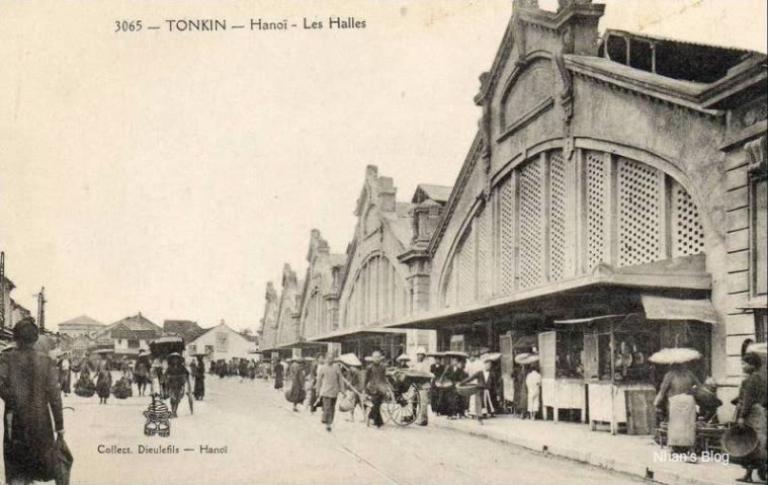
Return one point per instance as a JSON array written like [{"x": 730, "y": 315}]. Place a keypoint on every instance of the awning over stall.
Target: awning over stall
[
  {"x": 665, "y": 308},
  {"x": 346, "y": 333},
  {"x": 576, "y": 321},
  {"x": 300, "y": 344},
  {"x": 682, "y": 278}
]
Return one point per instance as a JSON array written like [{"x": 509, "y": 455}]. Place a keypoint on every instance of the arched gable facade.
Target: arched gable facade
[
  {"x": 319, "y": 305},
  {"x": 377, "y": 293},
  {"x": 550, "y": 218}
]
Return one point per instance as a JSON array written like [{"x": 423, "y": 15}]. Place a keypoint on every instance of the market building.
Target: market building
[
  {"x": 127, "y": 336},
  {"x": 613, "y": 202},
  {"x": 319, "y": 308},
  {"x": 286, "y": 326},
  {"x": 82, "y": 325}
]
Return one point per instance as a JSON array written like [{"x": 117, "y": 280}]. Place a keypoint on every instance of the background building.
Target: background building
[
  {"x": 129, "y": 335},
  {"x": 222, "y": 343},
  {"x": 82, "y": 325}
]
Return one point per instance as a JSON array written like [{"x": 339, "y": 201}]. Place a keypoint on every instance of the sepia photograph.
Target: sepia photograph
[{"x": 384, "y": 242}]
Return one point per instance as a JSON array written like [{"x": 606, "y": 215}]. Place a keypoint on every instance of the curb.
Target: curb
[{"x": 636, "y": 470}]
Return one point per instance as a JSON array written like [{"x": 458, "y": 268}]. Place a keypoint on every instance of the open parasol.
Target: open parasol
[
  {"x": 403, "y": 358},
  {"x": 679, "y": 355}
]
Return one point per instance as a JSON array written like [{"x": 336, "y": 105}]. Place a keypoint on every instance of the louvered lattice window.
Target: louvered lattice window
[
  {"x": 687, "y": 231},
  {"x": 506, "y": 196},
  {"x": 531, "y": 225},
  {"x": 557, "y": 234},
  {"x": 596, "y": 194},
  {"x": 466, "y": 258},
  {"x": 482, "y": 230},
  {"x": 639, "y": 213}
]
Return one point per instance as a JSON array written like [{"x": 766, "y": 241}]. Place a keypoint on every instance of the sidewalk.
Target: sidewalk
[{"x": 635, "y": 455}]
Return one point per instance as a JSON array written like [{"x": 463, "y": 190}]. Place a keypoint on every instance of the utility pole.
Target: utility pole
[
  {"x": 2, "y": 289},
  {"x": 41, "y": 309}
]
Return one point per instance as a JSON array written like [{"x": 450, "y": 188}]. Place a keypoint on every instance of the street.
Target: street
[{"x": 267, "y": 443}]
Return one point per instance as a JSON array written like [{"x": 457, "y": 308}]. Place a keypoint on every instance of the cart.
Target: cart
[{"x": 401, "y": 404}]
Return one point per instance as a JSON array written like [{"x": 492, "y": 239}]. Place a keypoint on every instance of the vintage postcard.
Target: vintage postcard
[{"x": 362, "y": 242}]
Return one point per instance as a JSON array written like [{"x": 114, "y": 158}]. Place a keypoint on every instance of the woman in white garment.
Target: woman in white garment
[{"x": 533, "y": 386}]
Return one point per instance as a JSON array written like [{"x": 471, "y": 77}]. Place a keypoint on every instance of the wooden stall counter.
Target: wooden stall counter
[{"x": 628, "y": 399}]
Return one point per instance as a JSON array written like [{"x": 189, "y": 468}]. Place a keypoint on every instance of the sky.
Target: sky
[{"x": 174, "y": 173}]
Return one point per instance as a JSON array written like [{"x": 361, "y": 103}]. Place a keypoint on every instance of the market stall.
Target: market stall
[
  {"x": 562, "y": 373},
  {"x": 621, "y": 382}
]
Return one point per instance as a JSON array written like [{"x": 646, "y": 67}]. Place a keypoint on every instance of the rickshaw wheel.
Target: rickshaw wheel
[{"x": 402, "y": 411}]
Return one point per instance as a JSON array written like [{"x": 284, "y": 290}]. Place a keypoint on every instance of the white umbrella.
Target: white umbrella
[{"x": 675, "y": 356}]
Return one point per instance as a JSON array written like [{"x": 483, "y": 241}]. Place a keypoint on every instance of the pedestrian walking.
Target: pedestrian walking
[
  {"x": 312, "y": 381},
  {"x": 242, "y": 369},
  {"x": 376, "y": 387},
  {"x": 65, "y": 374},
  {"x": 278, "y": 370},
  {"x": 296, "y": 376},
  {"x": 199, "y": 375},
  {"x": 329, "y": 385},
  {"x": 177, "y": 380},
  {"x": 29, "y": 386},
  {"x": 751, "y": 413},
  {"x": 103, "y": 381},
  {"x": 141, "y": 372},
  {"x": 354, "y": 385}
]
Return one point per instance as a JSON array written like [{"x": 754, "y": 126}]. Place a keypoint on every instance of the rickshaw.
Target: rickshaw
[{"x": 401, "y": 404}]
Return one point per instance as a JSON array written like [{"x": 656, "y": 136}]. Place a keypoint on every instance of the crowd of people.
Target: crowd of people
[{"x": 454, "y": 384}]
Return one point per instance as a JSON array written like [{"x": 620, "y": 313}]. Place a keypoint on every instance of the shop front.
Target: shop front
[
  {"x": 593, "y": 336},
  {"x": 363, "y": 342}
]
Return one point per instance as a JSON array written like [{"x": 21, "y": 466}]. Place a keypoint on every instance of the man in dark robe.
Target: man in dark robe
[
  {"x": 29, "y": 385},
  {"x": 199, "y": 375},
  {"x": 177, "y": 380},
  {"x": 436, "y": 395},
  {"x": 376, "y": 387}
]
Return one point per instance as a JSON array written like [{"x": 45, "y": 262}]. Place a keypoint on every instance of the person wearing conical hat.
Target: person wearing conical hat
[
  {"x": 674, "y": 397},
  {"x": 455, "y": 404},
  {"x": 422, "y": 365},
  {"x": 376, "y": 387}
]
